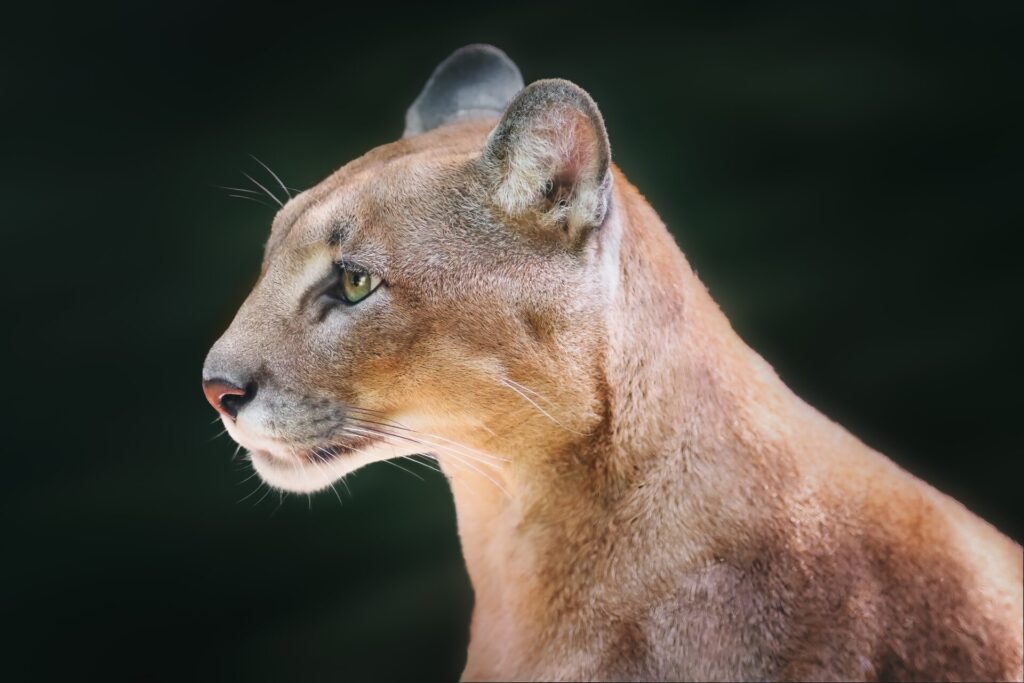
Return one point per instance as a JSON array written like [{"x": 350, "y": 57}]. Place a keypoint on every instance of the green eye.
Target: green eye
[{"x": 356, "y": 285}]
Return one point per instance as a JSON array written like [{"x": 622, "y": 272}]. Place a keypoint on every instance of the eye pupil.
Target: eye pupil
[{"x": 356, "y": 285}]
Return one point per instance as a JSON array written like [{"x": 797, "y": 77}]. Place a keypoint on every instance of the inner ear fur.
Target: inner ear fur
[{"x": 549, "y": 156}]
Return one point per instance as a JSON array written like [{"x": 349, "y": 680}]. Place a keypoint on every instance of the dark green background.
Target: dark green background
[{"x": 845, "y": 178}]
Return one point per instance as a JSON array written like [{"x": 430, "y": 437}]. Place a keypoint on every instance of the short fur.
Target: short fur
[{"x": 638, "y": 495}]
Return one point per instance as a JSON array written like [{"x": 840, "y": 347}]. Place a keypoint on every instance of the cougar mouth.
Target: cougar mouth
[
  {"x": 327, "y": 453},
  {"x": 280, "y": 454},
  {"x": 310, "y": 469}
]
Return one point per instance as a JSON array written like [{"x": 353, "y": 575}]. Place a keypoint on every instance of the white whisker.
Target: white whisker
[
  {"x": 283, "y": 187},
  {"x": 483, "y": 474},
  {"x": 251, "y": 199},
  {"x": 511, "y": 385},
  {"x": 344, "y": 483},
  {"x": 263, "y": 497},
  {"x": 254, "y": 473},
  {"x": 397, "y": 425},
  {"x": 236, "y": 189},
  {"x": 280, "y": 501},
  {"x": 459, "y": 457},
  {"x": 260, "y": 185},
  {"x": 432, "y": 468},
  {"x": 258, "y": 487},
  {"x": 419, "y": 439},
  {"x": 404, "y": 469}
]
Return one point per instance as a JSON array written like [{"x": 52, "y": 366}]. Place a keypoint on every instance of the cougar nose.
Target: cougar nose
[{"x": 226, "y": 398}]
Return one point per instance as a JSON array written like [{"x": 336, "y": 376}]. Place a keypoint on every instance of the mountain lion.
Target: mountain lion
[{"x": 638, "y": 494}]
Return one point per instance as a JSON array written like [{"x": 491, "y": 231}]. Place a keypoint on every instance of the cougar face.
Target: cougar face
[{"x": 436, "y": 294}]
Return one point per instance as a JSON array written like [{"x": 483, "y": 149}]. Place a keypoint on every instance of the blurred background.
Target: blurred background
[{"x": 844, "y": 177}]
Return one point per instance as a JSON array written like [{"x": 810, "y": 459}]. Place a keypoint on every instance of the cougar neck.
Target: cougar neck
[{"x": 664, "y": 482}]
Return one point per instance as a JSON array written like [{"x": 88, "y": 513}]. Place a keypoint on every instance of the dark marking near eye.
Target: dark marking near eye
[{"x": 334, "y": 239}]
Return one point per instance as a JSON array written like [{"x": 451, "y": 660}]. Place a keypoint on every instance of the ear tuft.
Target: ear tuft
[
  {"x": 473, "y": 82},
  {"x": 550, "y": 154}
]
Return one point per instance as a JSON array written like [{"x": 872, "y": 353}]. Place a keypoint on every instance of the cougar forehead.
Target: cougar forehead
[
  {"x": 420, "y": 212},
  {"x": 387, "y": 188}
]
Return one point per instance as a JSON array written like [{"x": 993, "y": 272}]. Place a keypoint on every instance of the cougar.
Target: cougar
[{"x": 638, "y": 494}]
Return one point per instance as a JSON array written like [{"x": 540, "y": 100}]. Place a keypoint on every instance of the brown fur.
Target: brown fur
[{"x": 667, "y": 508}]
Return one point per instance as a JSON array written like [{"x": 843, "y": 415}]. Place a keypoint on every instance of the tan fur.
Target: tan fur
[{"x": 664, "y": 508}]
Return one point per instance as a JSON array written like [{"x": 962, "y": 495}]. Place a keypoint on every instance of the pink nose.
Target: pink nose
[{"x": 225, "y": 397}]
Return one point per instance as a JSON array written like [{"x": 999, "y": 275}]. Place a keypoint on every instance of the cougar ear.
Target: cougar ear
[
  {"x": 549, "y": 155},
  {"x": 475, "y": 81}
]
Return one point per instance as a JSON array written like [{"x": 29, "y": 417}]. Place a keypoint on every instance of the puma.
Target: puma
[{"x": 638, "y": 495}]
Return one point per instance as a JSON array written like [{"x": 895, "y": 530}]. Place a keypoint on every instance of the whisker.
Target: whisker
[
  {"x": 395, "y": 464},
  {"x": 345, "y": 484},
  {"x": 280, "y": 501},
  {"x": 480, "y": 472},
  {"x": 529, "y": 390},
  {"x": 410, "y": 459},
  {"x": 287, "y": 193},
  {"x": 418, "y": 439},
  {"x": 251, "y": 199},
  {"x": 397, "y": 425},
  {"x": 450, "y": 451},
  {"x": 263, "y": 497},
  {"x": 260, "y": 185},
  {"x": 337, "y": 495},
  {"x": 254, "y": 473},
  {"x": 543, "y": 412},
  {"x": 258, "y": 487},
  {"x": 432, "y": 468},
  {"x": 480, "y": 456},
  {"x": 331, "y": 484},
  {"x": 236, "y": 189},
  {"x": 379, "y": 432}
]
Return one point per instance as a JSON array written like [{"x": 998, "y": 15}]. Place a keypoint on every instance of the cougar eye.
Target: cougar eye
[{"x": 356, "y": 284}]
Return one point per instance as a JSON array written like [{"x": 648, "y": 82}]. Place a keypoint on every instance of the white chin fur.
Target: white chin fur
[
  {"x": 305, "y": 477},
  {"x": 284, "y": 470}
]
